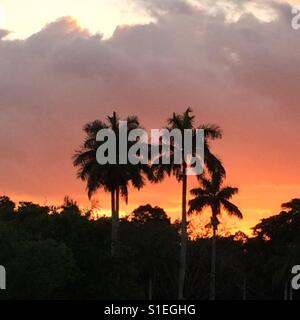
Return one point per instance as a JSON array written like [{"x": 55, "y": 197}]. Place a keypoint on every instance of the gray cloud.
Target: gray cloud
[
  {"x": 158, "y": 7},
  {"x": 243, "y": 76},
  {"x": 4, "y": 33}
]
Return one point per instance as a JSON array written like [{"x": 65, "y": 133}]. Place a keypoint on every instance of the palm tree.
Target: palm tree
[
  {"x": 113, "y": 178},
  {"x": 182, "y": 122},
  {"x": 212, "y": 194}
]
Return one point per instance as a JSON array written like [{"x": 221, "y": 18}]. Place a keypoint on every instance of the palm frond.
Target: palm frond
[
  {"x": 213, "y": 163},
  {"x": 232, "y": 209},
  {"x": 199, "y": 192},
  {"x": 212, "y": 131},
  {"x": 228, "y": 192},
  {"x": 198, "y": 204}
]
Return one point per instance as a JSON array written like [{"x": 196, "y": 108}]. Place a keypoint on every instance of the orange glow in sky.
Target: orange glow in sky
[{"x": 159, "y": 63}]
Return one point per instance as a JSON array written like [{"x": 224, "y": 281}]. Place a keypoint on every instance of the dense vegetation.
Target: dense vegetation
[{"x": 61, "y": 253}]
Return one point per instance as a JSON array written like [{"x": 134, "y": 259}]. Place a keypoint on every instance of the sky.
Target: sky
[
  {"x": 24, "y": 18},
  {"x": 65, "y": 63}
]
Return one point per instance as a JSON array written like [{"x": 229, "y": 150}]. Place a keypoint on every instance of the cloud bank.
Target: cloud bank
[{"x": 236, "y": 63}]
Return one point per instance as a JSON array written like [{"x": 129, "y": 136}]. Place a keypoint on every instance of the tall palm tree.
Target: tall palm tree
[
  {"x": 113, "y": 178},
  {"x": 182, "y": 122},
  {"x": 212, "y": 194}
]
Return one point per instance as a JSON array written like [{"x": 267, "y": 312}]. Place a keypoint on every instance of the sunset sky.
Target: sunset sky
[{"x": 235, "y": 62}]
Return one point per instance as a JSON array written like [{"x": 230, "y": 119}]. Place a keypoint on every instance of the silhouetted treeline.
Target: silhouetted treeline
[{"x": 59, "y": 253}]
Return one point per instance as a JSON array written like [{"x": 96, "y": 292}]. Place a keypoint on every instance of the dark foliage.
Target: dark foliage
[{"x": 52, "y": 253}]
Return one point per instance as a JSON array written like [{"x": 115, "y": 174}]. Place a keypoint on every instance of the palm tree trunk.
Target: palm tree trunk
[
  {"x": 113, "y": 224},
  {"x": 117, "y": 216},
  {"x": 183, "y": 248},
  {"x": 212, "y": 289}
]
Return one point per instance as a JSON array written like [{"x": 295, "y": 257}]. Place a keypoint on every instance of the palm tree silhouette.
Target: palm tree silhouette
[
  {"x": 212, "y": 194},
  {"x": 182, "y": 122},
  {"x": 113, "y": 178}
]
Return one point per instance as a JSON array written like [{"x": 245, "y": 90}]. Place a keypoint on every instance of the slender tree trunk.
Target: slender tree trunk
[
  {"x": 212, "y": 289},
  {"x": 183, "y": 248},
  {"x": 113, "y": 225},
  {"x": 117, "y": 216}
]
